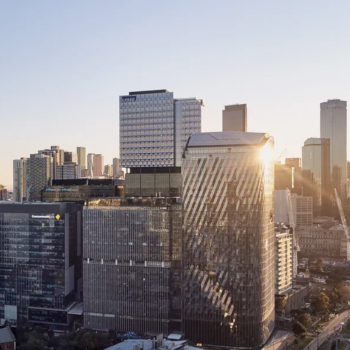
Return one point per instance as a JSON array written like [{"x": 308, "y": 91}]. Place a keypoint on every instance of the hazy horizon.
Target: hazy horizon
[{"x": 64, "y": 64}]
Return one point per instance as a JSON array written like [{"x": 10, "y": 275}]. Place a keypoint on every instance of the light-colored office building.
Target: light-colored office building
[
  {"x": 334, "y": 127},
  {"x": 90, "y": 164},
  {"x": 302, "y": 210},
  {"x": 117, "y": 169},
  {"x": 234, "y": 118},
  {"x": 154, "y": 127},
  {"x": 19, "y": 179},
  {"x": 81, "y": 153},
  {"x": 108, "y": 170},
  {"x": 228, "y": 230},
  {"x": 98, "y": 165},
  {"x": 38, "y": 175}
]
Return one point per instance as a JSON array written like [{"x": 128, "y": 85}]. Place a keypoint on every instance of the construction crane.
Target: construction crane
[
  {"x": 344, "y": 223},
  {"x": 294, "y": 239},
  {"x": 281, "y": 154}
]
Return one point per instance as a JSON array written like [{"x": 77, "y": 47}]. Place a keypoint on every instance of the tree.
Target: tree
[
  {"x": 321, "y": 304},
  {"x": 305, "y": 320},
  {"x": 344, "y": 292},
  {"x": 281, "y": 302},
  {"x": 319, "y": 264},
  {"x": 298, "y": 328}
]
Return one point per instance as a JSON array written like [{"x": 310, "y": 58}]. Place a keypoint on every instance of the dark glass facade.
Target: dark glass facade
[
  {"x": 80, "y": 193},
  {"x": 40, "y": 262},
  {"x": 132, "y": 264},
  {"x": 153, "y": 182},
  {"x": 228, "y": 239}
]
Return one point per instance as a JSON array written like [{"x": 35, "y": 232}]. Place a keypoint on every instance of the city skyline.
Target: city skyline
[{"x": 69, "y": 77}]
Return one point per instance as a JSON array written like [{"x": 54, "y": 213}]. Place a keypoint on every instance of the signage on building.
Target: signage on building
[
  {"x": 42, "y": 216},
  {"x": 128, "y": 98}
]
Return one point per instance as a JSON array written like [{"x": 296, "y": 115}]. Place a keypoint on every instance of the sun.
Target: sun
[{"x": 266, "y": 154}]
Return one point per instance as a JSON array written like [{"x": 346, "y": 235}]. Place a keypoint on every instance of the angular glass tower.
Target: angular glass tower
[{"x": 228, "y": 239}]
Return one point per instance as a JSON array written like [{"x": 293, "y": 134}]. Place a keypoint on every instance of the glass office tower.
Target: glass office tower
[
  {"x": 228, "y": 239},
  {"x": 40, "y": 263},
  {"x": 333, "y": 116}
]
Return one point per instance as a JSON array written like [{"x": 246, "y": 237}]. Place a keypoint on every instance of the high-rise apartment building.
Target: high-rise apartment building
[
  {"x": 316, "y": 159},
  {"x": 81, "y": 153},
  {"x": 40, "y": 263},
  {"x": 228, "y": 239},
  {"x": 19, "y": 179},
  {"x": 132, "y": 264},
  {"x": 38, "y": 176},
  {"x": 284, "y": 259},
  {"x": 154, "y": 127},
  {"x": 98, "y": 165},
  {"x": 234, "y": 118},
  {"x": 334, "y": 128}
]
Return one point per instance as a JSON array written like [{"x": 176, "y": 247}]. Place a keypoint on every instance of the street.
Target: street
[{"x": 329, "y": 329}]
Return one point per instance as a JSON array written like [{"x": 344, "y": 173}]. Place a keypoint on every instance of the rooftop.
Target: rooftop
[
  {"x": 146, "y": 344},
  {"x": 227, "y": 138},
  {"x": 148, "y": 92},
  {"x": 6, "y": 336}
]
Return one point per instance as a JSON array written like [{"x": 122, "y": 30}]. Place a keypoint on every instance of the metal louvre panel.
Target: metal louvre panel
[{"x": 228, "y": 245}]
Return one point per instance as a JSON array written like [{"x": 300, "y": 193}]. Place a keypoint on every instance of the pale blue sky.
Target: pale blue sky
[{"x": 63, "y": 65}]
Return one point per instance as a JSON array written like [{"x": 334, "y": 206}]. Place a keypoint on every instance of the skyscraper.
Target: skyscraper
[
  {"x": 234, "y": 118},
  {"x": 39, "y": 170},
  {"x": 108, "y": 170},
  {"x": 98, "y": 165},
  {"x": 117, "y": 169},
  {"x": 316, "y": 159},
  {"x": 90, "y": 163},
  {"x": 40, "y": 264},
  {"x": 228, "y": 239},
  {"x": 81, "y": 152},
  {"x": 19, "y": 179},
  {"x": 154, "y": 127},
  {"x": 334, "y": 127},
  {"x": 70, "y": 157}
]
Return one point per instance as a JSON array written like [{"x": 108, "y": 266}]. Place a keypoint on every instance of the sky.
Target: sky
[{"x": 64, "y": 63}]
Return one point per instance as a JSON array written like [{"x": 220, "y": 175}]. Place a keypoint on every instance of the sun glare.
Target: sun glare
[{"x": 266, "y": 154}]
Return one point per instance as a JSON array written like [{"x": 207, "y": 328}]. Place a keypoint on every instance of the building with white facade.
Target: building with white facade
[
  {"x": 154, "y": 127},
  {"x": 284, "y": 259},
  {"x": 334, "y": 127},
  {"x": 19, "y": 179}
]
